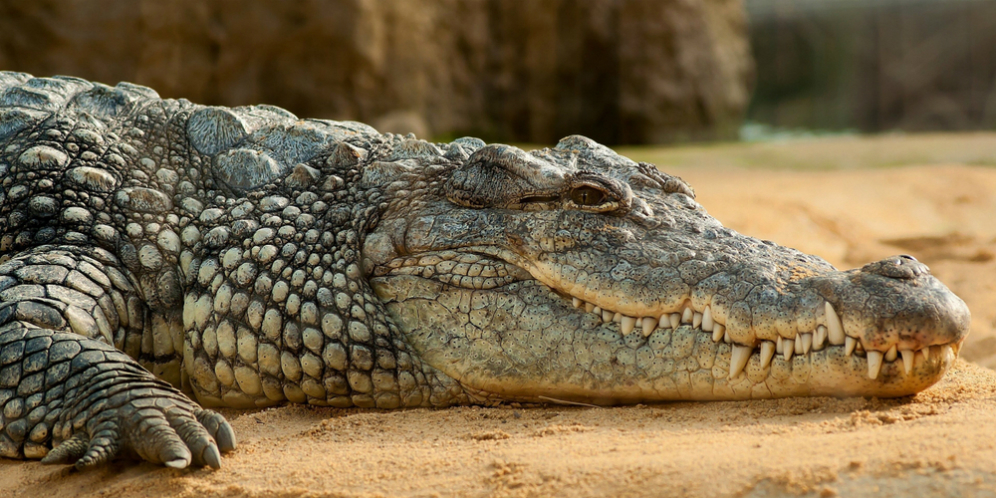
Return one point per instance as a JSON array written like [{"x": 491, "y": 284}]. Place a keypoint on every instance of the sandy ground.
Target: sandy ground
[{"x": 848, "y": 200}]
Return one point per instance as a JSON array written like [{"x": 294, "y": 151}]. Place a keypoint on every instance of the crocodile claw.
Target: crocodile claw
[
  {"x": 219, "y": 428},
  {"x": 69, "y": 451},
  {"x": 165, "y": 429}
]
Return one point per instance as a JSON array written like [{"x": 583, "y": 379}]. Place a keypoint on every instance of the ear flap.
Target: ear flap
[
  {"x": 501, "y": 176},
  {"x": 670, "y": 184}
]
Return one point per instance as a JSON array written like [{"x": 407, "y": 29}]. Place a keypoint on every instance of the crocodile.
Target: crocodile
[{"x": 159, "y": 258}]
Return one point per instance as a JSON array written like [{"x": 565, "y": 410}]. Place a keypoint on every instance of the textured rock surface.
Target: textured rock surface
[{"x": 618, "y": 71}]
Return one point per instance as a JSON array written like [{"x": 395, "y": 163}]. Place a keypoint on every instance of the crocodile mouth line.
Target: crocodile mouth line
[
  {"x": 826, "y": 335},
  {"x": 488, "y": 268}
]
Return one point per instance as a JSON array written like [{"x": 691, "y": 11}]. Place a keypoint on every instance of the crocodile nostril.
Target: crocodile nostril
[{"x": 901, "y": 267}]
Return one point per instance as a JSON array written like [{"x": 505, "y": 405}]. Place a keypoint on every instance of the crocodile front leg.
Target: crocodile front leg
[{"x": 63, "y": 386}]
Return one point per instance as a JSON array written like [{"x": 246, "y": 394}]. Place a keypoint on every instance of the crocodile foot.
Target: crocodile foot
[{"x": 148, "y": 421}]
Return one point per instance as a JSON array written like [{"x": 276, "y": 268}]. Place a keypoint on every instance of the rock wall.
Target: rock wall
[{"x": 618, "y": 71}]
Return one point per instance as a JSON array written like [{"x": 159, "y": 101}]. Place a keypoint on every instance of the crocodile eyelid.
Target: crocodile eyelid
[{"x": 539, "y": 199}]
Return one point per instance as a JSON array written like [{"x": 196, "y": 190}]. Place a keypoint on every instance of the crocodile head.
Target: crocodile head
[{"x": 576, "y": 274}]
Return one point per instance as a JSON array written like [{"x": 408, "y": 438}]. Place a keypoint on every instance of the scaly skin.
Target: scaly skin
[{"x": 151, "y": 248}]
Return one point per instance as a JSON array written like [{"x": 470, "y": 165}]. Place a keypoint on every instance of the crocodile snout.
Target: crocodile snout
[
  {"x": 919, "y": 301},
  {"x": 896, "y": 304}
]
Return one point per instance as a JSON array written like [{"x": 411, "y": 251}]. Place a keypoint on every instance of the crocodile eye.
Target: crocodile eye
[{"x": 587, "y": 196}]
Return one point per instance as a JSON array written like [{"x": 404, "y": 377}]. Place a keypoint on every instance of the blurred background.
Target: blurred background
[
  {"x": 886, "y": 65},
  {"x": 619, "y": 71}
]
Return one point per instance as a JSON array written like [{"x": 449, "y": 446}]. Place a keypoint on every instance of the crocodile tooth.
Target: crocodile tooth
[
  {"x": 767, "y": 352},
  {"x": 665, "y": 321},
  {"x": 717, "y": 334},
  {"x": 778, "y": 345},
  {"x": 589, "y": 307},
  {"x": 577, "y": 302},
  {"x": 675, "y": 320},
  {"x": 798, "y": 344},
  {"x": 788, "y": 347},
  {"x": 726, "y": 337},
  {"x": 707, "y": 322},
  {"x": 819, "y": 338},
  {"x": 607, "y": 316},
  {"x": 617, "y": 317},
  {"x": 649, "y": 325},
  {"x": 874, "y": 364},
  {"x": 946, "y": 351},
  {"x": 807, "y": 343},
  {"x": 849, "y": 345},
  {"x": 696, "y": 320},
  {"x": 626, "y": 324},
  {"x": 738, "y": 360},
  {"x": 907, "y": 360},
  {"x": 835, "y": 329},
  {"x": 891, "y": 354},
  {"x": 686, "y": 317},
  {"x": 926, "y": 352}
]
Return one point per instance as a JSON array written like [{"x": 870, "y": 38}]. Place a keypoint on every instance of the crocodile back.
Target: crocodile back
[{"x": 61, "y": 154}]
